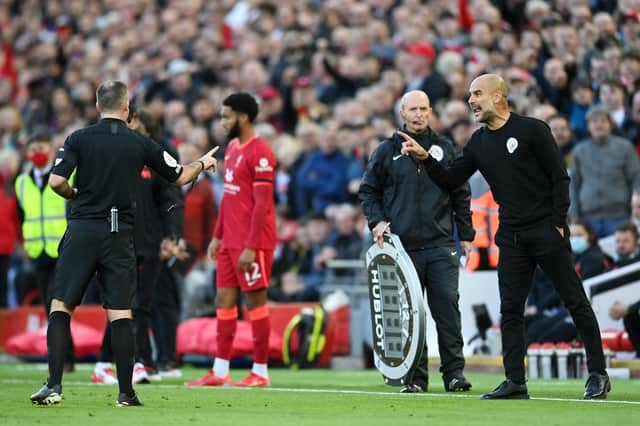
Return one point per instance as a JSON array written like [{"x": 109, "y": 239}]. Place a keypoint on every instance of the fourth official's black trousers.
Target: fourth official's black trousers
[
  {"x": 520, "y": 252},
  {"x": 437, "y": 268}
]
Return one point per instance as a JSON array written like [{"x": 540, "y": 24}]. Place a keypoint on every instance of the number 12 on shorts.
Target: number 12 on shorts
[{"x": 254, "y": 275}]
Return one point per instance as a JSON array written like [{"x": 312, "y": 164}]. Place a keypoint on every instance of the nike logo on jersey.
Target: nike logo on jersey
[{"x": 395, "y": 157}]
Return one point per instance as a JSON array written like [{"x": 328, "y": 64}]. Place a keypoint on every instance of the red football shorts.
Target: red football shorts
[{"x": 229, "y": 274}]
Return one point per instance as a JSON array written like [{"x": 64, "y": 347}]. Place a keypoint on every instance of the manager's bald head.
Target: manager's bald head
[
  {"x": 493, "y": 83},
  {"x": 488, "y": 98}
]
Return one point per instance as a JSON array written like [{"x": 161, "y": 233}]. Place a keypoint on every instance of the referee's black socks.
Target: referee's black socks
[
  {"x": 122, "y": 344},
  {"x": 58, "y": 340}
]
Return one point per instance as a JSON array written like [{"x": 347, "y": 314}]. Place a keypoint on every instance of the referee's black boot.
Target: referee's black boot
[
  {"x": 597, "y": 386},
  {"x": 508, "y": 390},
  {"x": 125, "y": 400},
  {"x": 456, "y": 382},
  {"x": 47, "y": 395}
]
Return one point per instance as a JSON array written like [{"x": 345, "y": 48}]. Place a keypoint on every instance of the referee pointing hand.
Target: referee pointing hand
[
  {"x": 108, "y": 158},
  {"x": 521, "y": 162}
]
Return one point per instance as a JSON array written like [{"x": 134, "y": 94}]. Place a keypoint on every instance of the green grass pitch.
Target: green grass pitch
[{"x": 309, "y": 397}]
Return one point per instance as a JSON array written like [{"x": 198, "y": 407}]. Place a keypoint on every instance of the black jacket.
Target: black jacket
[
  {"x": 397, "y": 189},
  {"x": 159, "y": 213},
  {"x": 592, "y": 262}
]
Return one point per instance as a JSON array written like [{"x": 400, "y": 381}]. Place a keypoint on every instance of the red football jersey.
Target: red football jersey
[{"x": 245, "y": 221}]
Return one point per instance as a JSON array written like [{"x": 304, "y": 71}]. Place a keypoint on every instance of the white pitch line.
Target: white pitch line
[
  {"x": 440, "y": 395},
  {"x": 330, "y": 391}
]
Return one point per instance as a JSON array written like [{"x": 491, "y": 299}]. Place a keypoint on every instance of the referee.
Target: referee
[
  {"x": 521, "y": 162},
  {"x": 108, "y": 159}
]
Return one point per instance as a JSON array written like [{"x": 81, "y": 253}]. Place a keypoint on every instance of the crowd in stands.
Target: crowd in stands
[{"x": 328, "y": 75}]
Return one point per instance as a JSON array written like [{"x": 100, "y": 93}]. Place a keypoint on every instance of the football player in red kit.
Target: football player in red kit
[{"x": 243, "y": 241}]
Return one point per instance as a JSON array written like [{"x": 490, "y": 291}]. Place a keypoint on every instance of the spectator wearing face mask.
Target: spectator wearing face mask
[{"x": 589, "y": 258}]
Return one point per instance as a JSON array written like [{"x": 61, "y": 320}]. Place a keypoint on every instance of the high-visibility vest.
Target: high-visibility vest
[
  {"x": 45, "y": 217},
  {"x": 484, "y": 217}
]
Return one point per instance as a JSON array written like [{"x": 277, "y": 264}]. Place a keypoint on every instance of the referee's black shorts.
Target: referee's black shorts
[{"x": 88, "y": 247}]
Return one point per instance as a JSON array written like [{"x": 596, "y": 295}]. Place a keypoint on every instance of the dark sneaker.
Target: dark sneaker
[
  {"x": 508, "y": 390},
  {"x": 411, "y": 388},
  {"x": 456, "y": 383},
  {"x": 415, "y": 387},
  {"x": 125, "y": 400},
  {"x": 47, "y": 395},
  {"x": 597, "y": 386}
]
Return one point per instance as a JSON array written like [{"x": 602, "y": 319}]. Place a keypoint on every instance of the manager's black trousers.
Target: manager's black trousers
[
  {"x": 520, "y": 252},
  {"x": 148, "y": 273},
  {"x": 437, "y": 269},
  {"x": 166, "y": 315}
]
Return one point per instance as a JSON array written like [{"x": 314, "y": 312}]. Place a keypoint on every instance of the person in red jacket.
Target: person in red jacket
[
  {"x": 200, "y": 210},
  {"x": 200, "y": 214},
  {"x": 9, "y": 226}
]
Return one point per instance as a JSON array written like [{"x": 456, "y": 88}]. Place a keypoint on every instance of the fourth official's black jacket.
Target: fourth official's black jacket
[{"x": 396, "y": 188}]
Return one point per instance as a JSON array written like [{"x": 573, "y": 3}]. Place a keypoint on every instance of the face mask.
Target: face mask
[
  {"x": 579, "y": 245},
  {"x": 39, "y": 158}
]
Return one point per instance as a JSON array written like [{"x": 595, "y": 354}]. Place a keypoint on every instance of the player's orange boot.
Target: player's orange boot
[
  {"x": 253, "y": 380},
  {"x": 210, "y": 379}
]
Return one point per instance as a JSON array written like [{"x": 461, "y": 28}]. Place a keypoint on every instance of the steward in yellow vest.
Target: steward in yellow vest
[
  {"x": 43, "y": 216},
  {"x": 41, "y": 211},
  {"x": 44, "y": 220}
]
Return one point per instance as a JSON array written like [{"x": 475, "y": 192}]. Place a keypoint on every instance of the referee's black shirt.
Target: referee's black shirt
[
  {"x": 524, "y": 167},
  {"x": 109, "y": 158}
]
